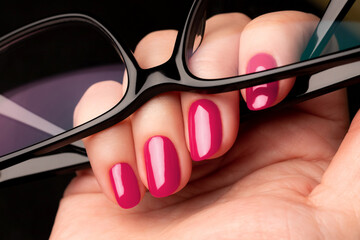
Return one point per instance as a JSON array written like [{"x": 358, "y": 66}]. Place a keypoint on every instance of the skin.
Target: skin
[{"x": 293, "y": 175}]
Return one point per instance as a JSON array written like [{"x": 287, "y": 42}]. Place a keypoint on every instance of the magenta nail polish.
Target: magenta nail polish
[
  {"x": 205, "y": 129},
  {"x": 162, "y": 166},
  {"x": 125, "y": 185},
  {"x": 261, "y": 96}
]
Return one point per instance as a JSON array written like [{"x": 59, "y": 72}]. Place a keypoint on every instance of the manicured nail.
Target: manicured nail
[
  {"x": 205, "y": 129},
  {"x": 125, "y": 185},
  {"x": 262, "y": 96},
  {"x": 162, "y": 166}
]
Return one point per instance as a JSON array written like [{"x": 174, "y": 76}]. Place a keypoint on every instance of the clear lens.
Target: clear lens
[
  {"x": 43, "y": 77},
  {"x": 348, "y": 32},
  {"x": 281, "y": 29}
]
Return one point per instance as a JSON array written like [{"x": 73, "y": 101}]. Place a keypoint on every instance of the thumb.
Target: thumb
[{"x": 337, "y": 197}]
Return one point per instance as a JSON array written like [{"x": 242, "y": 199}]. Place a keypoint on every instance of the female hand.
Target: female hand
[{"x": 282, "y": 177}]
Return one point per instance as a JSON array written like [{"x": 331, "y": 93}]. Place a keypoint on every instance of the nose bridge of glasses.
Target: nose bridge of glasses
[{"x": 157, "y": 79}]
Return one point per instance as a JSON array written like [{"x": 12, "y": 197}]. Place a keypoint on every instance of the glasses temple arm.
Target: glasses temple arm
[
  {"x": 46, "y": 166},
  {"x": 334, "y": 14}
]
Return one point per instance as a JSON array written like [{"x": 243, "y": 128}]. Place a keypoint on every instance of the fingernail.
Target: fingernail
[
  {"x": 125, "y": 185},
  {"x": 261, "y": 96},
  {"x": 162, "y": 166},
  {"x": 205, "y": 129}
]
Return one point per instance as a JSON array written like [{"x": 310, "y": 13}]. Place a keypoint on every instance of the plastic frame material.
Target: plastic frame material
[{"x": 336, "y": 71}]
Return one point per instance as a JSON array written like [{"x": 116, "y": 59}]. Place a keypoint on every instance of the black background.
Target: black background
[{"x": 27, "y": 211}]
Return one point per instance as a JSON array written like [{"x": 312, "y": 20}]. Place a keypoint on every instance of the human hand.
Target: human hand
[{"x": 283, "y": 178}]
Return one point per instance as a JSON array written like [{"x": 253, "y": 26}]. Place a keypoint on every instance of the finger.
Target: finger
[
  {"x": 342, "y": 177},
  {"x": 269, "y": 41},
  {"x": 212, "y": 121},
  {"x": 337, "y": 197},
  {"x": 111, "y": 152},
  {"x": 163, "y": 159}
]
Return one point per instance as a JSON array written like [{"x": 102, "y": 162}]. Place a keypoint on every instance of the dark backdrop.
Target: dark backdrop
[{"x": 27, "y": 211}]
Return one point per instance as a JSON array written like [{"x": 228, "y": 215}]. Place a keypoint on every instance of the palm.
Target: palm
[{"x": 260, "y": 188}]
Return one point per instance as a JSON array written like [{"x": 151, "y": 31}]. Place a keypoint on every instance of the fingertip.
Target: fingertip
[
  {"x": 266, "y": 95},
  {"x": 205, "y": 129},
  {"x": 162, "y": 166},
  {"x": 269, "y": 41},
  {"x": 125, "y": 185},
  {"x": 211, "y": 123},
  {"x": 113, "y": 161},
  {"x": 111, "y": 151}
]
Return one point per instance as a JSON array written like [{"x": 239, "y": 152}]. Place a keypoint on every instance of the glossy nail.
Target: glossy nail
[
  {"x": 261, "y": 96},
  {"x": 125, "y": 185},
  {"x": 205, "y": 129},
  {"x": 162, "y": 166}
]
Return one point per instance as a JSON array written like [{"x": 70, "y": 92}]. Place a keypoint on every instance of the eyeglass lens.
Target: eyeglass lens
[
  {"x": 44, "y": 76},
  {"x": 277, "y": 36}
]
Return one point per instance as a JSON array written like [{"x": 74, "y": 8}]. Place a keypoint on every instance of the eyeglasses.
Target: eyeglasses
[{"x": 48, "y": 65}]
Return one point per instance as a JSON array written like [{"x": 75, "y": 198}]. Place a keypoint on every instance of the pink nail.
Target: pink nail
[
  {"x": 262, "y": 96},
  {"x": 125, "y": 185},
  {"x": 205, "y": 129},
  {"x": 162, "y": 166}
]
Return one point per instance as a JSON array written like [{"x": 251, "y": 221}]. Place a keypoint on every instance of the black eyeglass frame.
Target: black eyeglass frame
[{"x": 173, "y": 75}]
